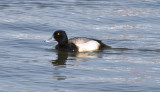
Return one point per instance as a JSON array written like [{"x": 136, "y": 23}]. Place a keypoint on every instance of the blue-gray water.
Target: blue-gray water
[{"x": 28, "y": 64}]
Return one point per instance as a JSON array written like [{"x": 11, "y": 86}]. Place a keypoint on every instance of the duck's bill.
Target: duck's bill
[{"x": 50, "y": 39}]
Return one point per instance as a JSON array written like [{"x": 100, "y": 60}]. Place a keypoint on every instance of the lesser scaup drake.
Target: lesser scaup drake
[{"x": 79, "y": 44}]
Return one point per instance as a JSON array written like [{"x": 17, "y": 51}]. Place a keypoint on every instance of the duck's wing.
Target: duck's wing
[
  {"x": 83, "y": 40},
  {"x": 85, "y": 44},
  {"x": 79, "y": 40}
]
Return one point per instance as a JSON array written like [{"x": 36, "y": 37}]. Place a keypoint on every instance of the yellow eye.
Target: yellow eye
[{"x": 58, "y": 33}]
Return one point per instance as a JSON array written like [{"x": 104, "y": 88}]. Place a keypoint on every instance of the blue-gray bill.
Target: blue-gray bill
[{"x": 49, "y": 40}]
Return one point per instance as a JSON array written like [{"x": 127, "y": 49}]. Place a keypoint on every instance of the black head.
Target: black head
[{"x": 60, "y": 36}]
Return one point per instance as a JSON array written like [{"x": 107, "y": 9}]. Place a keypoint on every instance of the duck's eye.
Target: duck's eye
[{"x": 58, "y": 33}]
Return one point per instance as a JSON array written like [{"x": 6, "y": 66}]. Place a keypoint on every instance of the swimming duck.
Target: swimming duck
[{"x": 78, "y": 44}]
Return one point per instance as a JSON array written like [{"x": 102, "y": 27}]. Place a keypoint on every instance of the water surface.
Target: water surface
[{"x": 131, "y": 27}]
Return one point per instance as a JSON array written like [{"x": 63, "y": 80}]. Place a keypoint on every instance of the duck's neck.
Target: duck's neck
[
  {"x": 63, "y": 43},
  {"x": 63, "y": 46}
]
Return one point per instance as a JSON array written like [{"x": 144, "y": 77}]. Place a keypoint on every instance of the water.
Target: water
[{"x": 131, "y": 27}]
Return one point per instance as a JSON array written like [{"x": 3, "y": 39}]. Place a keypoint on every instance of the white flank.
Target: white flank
[{"x": 88, "y": 46}]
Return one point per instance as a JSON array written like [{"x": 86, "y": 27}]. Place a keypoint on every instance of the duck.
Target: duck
[{"x": 76, "y": 44}]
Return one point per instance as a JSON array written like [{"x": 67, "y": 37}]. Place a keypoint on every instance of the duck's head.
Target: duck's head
[{"x": 60, "y": 36}]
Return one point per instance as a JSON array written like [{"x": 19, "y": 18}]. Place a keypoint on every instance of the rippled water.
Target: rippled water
[{"x": 131, "y": 27}]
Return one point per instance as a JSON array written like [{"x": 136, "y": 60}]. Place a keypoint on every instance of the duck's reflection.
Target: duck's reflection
[
  {"x": 61, "y": 59},
  {"x": 62, "y": 56}
]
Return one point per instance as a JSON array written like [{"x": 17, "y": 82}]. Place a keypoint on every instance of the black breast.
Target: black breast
[{"x": 67, "y": 47}]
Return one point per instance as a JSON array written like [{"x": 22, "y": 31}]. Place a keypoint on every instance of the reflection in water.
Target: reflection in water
[
  {"x": 63, "y": 56},
  {"x": 82, "y": 56},
  {"x": 59, "y": 76},
  {"x": 86, "y": 55}
]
